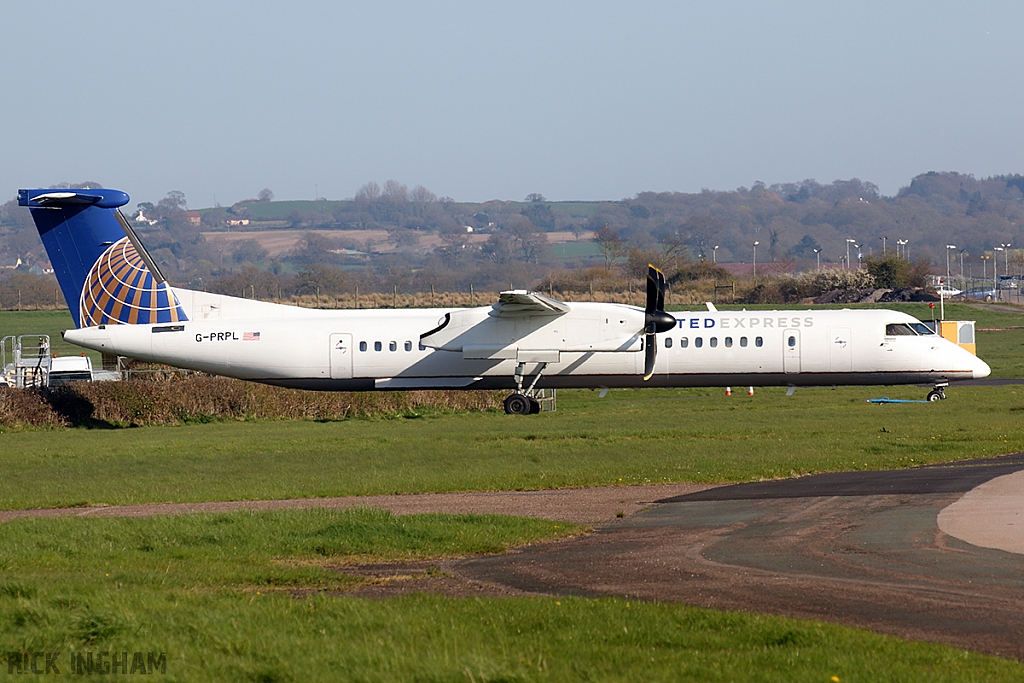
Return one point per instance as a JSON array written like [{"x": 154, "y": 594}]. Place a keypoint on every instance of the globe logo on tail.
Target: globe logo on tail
[{"x": 120, "y": 289}]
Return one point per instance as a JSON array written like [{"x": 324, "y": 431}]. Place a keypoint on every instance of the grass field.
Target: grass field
[
  {"x": 256, "y": 596},
  {"x": 629, "y": 437},
  {"x": 14, "y": 323}
]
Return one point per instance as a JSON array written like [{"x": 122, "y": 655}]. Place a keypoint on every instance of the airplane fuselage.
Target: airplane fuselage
[{"x": 594, "y": 345}]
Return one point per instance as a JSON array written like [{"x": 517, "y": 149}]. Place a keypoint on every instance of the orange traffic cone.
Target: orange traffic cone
[
  {"x": 750, "y": 391},
  {"x": 728, "y": 391}
]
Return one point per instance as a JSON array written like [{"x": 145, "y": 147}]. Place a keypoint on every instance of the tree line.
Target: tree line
[{"x": 438, "y": 242}]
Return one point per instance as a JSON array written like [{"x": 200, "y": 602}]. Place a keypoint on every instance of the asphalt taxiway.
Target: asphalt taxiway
[{"x": 899, "y": 552}]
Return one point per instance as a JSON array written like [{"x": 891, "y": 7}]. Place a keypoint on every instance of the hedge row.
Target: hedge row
[{"x": 204, "y": 399}]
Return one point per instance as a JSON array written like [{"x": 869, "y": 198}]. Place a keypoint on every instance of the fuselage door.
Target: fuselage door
[
  {"x": 341, "y": 355},
  {"x": 791, "y": 351},
  {"x": 840, "y": 351}
]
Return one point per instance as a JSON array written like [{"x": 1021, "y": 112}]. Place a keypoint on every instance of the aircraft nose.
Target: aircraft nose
[{"x": 981, "y": 368}]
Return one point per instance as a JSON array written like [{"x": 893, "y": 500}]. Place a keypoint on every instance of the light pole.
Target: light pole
[
  {"x": 755, "y": 258},
  {"x": 948, "y": 247},
  {"x": 848, "y": 243},
  {"x": 1006, "y": 253},
  {"x": 817, "y": 255},
  {"x": 900, "y": 243},
  {"x": 860, "y": 254},
  {"x": 995, "y": 269},
  {"x": 963, "y": 282},
  {"x": 883, "y": 238},
  {"x": 714, "y": 254}
]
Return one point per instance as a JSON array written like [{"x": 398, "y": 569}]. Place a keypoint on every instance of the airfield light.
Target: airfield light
[
  {"x": 755, "y": 258},
  {"x": 817, "y": 255},
  {"x": 714, "y": 254},
  {"x": 849, "y": 241}
]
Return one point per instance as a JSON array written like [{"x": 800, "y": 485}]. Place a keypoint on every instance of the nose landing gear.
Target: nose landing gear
[{"x": 938, "y": 393}]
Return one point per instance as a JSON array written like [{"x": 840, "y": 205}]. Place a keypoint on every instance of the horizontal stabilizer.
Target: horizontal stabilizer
[{"x": 104, "y": 199}]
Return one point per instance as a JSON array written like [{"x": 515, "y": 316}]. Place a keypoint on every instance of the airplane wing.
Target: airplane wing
[{"x": 520, "y": 303}]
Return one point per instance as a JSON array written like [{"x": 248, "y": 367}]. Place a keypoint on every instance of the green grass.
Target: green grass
[
  {"x": 13, "y": 323},
  {"x": 244, "y": 551},
  {"x": 575, "y": 250},
  {"x": 646, "y": 436},
  {"x": 253, "y": 596}
]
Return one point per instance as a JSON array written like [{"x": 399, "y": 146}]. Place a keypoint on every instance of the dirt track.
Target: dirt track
[{"x": 585, "y": 506}]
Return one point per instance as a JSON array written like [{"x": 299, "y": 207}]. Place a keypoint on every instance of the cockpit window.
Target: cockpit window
[
  {"x": 922, "y": 328},
  {"x": 899, "y": 330}
]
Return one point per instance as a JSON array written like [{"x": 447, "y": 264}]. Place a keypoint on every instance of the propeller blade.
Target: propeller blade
[
  {"x": 653, "y": 289},
  {"x": 655, "y": 318},
  {"x": 662, "y": 286},
  {"x": 650, "y": 355}
]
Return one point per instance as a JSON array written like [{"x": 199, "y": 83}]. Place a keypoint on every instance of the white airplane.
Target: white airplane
[{"x": 524, "y": 342}]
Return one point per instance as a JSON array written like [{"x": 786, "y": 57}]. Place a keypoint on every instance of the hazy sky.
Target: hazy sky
[{"x": 496, "y": 100}]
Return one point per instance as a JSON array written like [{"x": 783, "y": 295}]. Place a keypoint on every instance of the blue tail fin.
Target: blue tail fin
[{"x": 106, "y": 275}]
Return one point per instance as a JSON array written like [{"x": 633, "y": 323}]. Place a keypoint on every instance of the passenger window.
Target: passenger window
[
  {"x": 362, "y": 346},
  {"x": 758, "y": 342},
  {"x": 376, "y": 346},
  {"x": 698, "y": 342},
  {"x": 668, "y": 342},
  {"x": 408, "y": 346},
  {"x": 728, "y": 342},
  {"x": 714, "y": 342},
  {"x": 684, "y": 342},
  {"x": 422, "y": 347},
  {"x": 792, "y": 342},
  {"x": 743, "y": 342},
  {"x": 393, "y": 346}
]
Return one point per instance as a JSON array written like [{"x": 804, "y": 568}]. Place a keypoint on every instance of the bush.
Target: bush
[
  {"x": 793, "y": 288},
  {"x": 204, "y": 398},
  {"x": 892, "y": 272},
  {"x": 702, "y": 270}
]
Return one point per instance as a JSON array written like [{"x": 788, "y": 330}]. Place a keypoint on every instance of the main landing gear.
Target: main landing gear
[
  {"x": 524, "y": 402},
  {"x": 938, "y": 393}
]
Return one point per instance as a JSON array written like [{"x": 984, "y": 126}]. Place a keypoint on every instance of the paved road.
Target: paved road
[{"x": 858, "y": 548}]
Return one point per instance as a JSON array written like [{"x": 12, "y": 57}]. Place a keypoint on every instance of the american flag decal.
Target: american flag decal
[{"x": 251, "y": 336}]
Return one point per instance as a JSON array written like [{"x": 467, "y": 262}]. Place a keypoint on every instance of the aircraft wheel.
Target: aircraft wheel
[
  {"x": 936, "y": 395},
  {"x": 517, "y": 404}
]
